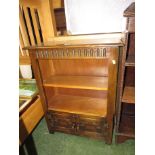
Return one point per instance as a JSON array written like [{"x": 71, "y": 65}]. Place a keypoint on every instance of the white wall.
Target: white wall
[{"x": 95, "y": 16}]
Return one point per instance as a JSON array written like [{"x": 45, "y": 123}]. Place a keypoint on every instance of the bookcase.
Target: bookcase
[
  {"x": 125, "y": 118},
  {"x": 77, "y": 85}
]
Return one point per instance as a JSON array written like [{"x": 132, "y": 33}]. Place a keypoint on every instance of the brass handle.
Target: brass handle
[
  {"x": 73, "y": 125},
  {"x": 113, "y": 62},
  {"x": 77, "y": 127}
]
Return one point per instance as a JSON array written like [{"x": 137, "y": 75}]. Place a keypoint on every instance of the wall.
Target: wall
[{"x": 95, "y": 16}]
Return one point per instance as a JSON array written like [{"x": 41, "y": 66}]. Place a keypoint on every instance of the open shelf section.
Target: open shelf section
[
  {"x": 129, "y": 95},
  {"x": 130, "y": 61},
  {"x": 78, "y": 105},
  {"x": 127, "y": 126},
  {"x": 78, "y": 82}
]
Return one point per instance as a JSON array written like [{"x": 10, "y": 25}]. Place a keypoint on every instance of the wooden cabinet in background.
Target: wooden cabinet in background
[
  {"x": 77, "y": 84},
  {"x": 125, "y": 119},
  {"x": 29, "y": 117}
]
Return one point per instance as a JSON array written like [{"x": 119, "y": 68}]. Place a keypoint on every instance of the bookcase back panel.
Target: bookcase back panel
[
  {"x": 83, "y": 67},
  {"x": 128, "y": 109},
  {"x": 79, "y": 67},
  {"x": 130, "y": 76},
  {"x": 80, "y": 60}
]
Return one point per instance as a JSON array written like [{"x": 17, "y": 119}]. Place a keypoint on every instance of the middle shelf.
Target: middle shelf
[
  {"x": 79, "y": 105},
  {"x": 130, "y": 61},
  {"x": 78, "y": 82}
]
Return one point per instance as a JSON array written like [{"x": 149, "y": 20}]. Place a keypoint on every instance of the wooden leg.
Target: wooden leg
[{"x": 108, "y": 139}]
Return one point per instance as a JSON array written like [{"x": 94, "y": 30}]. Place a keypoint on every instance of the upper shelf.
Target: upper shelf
[
  {"x": 78, "y": 82},
  {"x": 129, "y": 95}
]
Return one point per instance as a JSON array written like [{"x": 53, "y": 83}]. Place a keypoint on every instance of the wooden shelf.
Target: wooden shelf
[
  {"x": 130, "y": 61},
  {"x": 129, "y": 95},
  {"x": 78, "y": 82},
  {"x": 131, "y": 135},
  {"x": 78, "y": 105},
  {"x": 127, "y": 126}
]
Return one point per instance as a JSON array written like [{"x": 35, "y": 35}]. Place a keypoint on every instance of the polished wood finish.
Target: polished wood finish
[
  {"x": 24, "y": 60},
  {"x": 47, "y": 22},
  {"x": 130, "y": 14},
  {"x": 129, "y": 95},
  {"x": 77, "y": 84},
  {"x": 77, "y": 124},
  {"x": 22, "y": 28},
  {"x": 125, "y": 112},
  {"x": 35, "y": 25},
  {"x": 131, "y": 24},
  {"x": 126, "y": 129},
  {"x": 131, "y": 45},
  {"x": 108, "y": 38},
  {"x": 58, "y": 3},
  {"x": 29, "y": 119},
  {"x": 82, "y": 105},
  {"x": 37, "y": 74},
  {"x": 29, "y": 27},
  {"x": 50, "y": 91},
  {"x": 130, "y": 61},
  {"x": 129, "y": 76}
]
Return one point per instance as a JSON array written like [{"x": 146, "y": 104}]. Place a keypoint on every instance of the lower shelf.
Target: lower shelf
[
  {"x": 126, "y": 135},
  {"x": 127, "y": 126},
  {"x": 79, "y": 105}
]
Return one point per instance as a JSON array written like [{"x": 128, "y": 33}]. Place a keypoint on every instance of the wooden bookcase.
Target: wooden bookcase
[
  {"x": 77, "y": 85},
  {"x": 125, "y": 119}
]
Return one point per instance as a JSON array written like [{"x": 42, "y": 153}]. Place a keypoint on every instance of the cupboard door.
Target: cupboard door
[
  {"x": 90, "y": 126},
  {"x": 62, "y": 122}
]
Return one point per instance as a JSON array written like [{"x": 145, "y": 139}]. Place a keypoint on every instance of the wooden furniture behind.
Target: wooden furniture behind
[
  {"x": 29, "y": 118},
  {"x": 77, "y": 84},
  {"x": 30, "y": 108},
  {"x": 35, "y": 25},
  {"x": 60, "y": 21},
  {"x": 125, "y": 121},
  {"x": 57, "y": 4}
]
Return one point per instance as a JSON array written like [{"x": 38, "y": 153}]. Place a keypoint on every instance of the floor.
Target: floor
[{"x": 43, "y": 143}]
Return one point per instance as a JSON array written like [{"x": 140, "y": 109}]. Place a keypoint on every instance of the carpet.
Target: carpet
[{"x": 43, "y": 143}]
